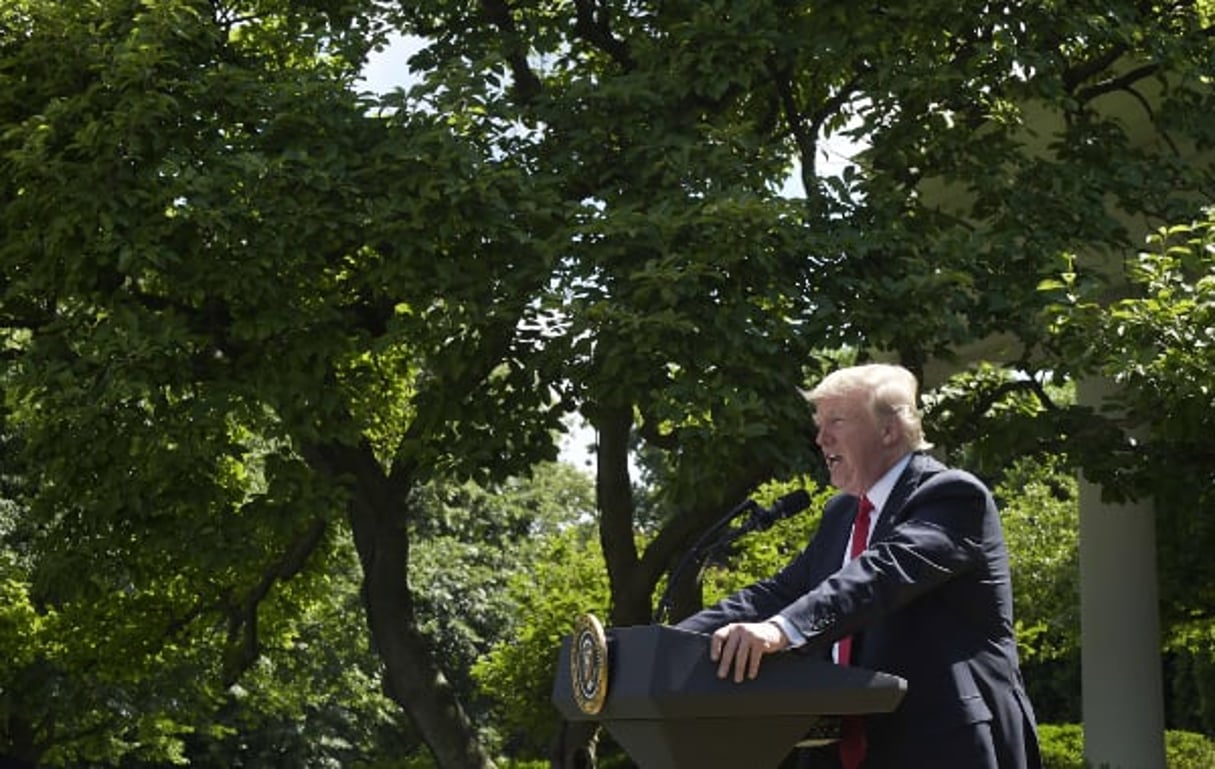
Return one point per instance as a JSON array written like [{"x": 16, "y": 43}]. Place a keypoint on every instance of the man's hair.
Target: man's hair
[{"x": 891, "y": 391}]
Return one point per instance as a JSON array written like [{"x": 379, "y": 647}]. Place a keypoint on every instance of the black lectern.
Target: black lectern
[{"x": 668, "y": 709}]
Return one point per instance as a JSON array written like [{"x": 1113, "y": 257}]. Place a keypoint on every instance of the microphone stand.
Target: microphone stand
[{"x": 713, "y": 539}]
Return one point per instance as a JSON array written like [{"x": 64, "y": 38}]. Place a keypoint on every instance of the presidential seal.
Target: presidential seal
[{"x": 588, "y": 664}]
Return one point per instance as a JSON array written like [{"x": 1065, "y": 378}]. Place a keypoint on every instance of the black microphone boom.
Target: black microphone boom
[
  {"x": 719, "y": 537},
  {"x": 788, "y": 505}
]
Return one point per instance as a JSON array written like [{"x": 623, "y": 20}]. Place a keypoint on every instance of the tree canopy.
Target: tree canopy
[{"x": 250, "y": 313}]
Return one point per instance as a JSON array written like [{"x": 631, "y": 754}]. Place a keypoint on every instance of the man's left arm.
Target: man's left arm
[{"x": 938, "y": 535}]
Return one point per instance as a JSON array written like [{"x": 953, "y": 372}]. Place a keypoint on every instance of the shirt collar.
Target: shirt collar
[{"x": 879, "y": 492}]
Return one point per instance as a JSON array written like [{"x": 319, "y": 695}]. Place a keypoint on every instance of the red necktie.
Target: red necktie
[{"x": 852, "y": 737}]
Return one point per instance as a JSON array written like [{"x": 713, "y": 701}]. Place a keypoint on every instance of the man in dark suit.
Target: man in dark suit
[{"x": 927, "y": 595}]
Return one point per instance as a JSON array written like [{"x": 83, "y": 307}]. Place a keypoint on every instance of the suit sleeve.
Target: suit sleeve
[{"x": 769, "y": 597}]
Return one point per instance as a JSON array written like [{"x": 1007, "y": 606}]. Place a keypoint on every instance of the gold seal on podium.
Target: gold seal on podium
[{"x": 589, "y": 664}]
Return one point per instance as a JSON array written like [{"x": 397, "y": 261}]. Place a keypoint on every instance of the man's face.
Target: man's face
[{"x": 858, "y": 446}]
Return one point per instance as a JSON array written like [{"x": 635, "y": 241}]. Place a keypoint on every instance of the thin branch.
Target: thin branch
[{"x": 1031, "y": 385}]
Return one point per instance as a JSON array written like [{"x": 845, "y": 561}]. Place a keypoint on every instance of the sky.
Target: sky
[{"x": 389, "y": 68}]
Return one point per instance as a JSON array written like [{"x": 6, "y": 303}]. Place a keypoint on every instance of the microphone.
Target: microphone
[
  {"x": 714, "y": 539},
  {"x": 762, "y": 519}
]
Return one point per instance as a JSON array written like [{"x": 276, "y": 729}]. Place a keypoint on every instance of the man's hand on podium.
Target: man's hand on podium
[{"x": 742, "y": 645}]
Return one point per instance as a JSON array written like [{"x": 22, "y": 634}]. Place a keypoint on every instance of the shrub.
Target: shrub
[
  {"x": 1063, "y": 748},
  {"x": 1188, "y": 750}
]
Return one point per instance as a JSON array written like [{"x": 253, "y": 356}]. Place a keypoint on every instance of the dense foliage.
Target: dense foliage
[
  {"x": 261, "y": 329},
  {"x": 1158, "y": 344}
]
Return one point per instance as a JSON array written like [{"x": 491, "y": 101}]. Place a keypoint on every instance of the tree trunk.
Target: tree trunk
[
  {"x": 631, "y": 587},
  {"x": 633, "y": 576},
  {"x": 412, "y": 678},
  {"x": 20, "y": 750},
  {"x": 575, "y": 746}
]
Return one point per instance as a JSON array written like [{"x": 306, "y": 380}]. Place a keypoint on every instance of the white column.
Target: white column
[{"x": 1122, "y": 695}]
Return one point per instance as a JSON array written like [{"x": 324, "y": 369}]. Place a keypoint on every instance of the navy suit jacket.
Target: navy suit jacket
[{"x": 930, "y": 600}]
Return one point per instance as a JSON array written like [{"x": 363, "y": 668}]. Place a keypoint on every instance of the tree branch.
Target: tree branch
[
  {"x": 527, "y": 83},
  {"x": 594, "y": 26},
  {"x": 1120, "y": 83},
  {"x": 243, "y": 645},
  {"x": 1074, "y": 76}
]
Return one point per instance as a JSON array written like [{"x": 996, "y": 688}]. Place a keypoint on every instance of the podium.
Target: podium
[{"x": 665, "y": 705}]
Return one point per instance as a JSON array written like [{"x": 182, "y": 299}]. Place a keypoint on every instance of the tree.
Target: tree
[
  {"x": 236, "y": 306},
  {"x": 991, "y": 151},
  {"x": 312, "y": 696},
  {"x": 301, "y": 306},
  {"x": 1157, "y": 344},
  {"x": 472, "y": 544},
  {"x": 567, "y": 580},
  {"x": 314, "y": 700},
  {"x": 1040, "y": 514}
]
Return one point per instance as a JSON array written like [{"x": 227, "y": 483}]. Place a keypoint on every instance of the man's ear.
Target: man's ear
[{"x": 892, "y": 431}]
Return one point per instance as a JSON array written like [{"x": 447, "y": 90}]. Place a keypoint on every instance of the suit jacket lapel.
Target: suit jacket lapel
[
  {"x": 835, "y": 531},
  {"x": 908, "y": 482}
]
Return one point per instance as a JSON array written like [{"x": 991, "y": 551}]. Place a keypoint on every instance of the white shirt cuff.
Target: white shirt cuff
[{"x": 786, "y": 627}]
